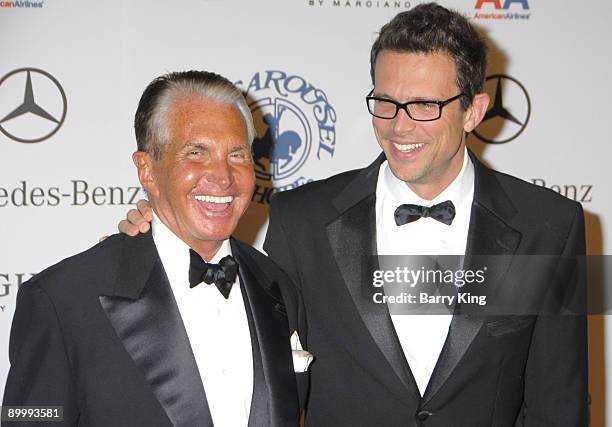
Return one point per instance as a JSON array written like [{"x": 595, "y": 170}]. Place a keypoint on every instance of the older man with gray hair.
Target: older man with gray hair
[{"x": 132, "y": 331}]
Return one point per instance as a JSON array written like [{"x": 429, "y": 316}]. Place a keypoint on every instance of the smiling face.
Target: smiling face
[
  {"x": 204, "y": 181},
  {"x": 425, "y": 155}
]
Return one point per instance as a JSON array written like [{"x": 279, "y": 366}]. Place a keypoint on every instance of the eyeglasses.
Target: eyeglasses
[{"x": 421, "y": 111}]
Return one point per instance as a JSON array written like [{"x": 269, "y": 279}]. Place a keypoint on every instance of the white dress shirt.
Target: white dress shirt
[
  {"x": 217, "y": 328},
  {"x": 422, "y": 336}
]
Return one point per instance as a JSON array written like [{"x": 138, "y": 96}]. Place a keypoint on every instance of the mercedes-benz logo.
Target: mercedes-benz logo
[
  {"x": 42, "y": 109},
  {"x": 509, "y": 112}
]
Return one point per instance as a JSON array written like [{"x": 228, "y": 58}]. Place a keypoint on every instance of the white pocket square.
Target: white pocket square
[{"x": 301, "y": 358}]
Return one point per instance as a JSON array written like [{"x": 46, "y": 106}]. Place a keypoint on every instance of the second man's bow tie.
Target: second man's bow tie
[
  {"x": 443, "y": 212},
  {"x": 222, "y": 275}
]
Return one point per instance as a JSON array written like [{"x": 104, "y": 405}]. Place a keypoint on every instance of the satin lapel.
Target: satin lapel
[
  {"x": 489, "y": 234},
  {"x": 274, "y": 401},
  {"x": 352, "y": 237},
  {"x": 144, "y": 314}
]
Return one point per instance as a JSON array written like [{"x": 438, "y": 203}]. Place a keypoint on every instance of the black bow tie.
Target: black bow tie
[
  {"x": 443, "y": 212},
  {"x": 222, "y": 275}
]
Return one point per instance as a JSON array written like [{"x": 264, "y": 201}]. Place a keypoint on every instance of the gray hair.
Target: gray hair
[{"x": 150, "y": 121}]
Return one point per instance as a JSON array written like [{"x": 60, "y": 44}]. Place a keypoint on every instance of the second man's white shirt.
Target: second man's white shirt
[{"x": 422, "y": 336}]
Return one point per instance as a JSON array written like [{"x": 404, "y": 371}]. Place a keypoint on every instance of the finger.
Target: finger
[
  {"x": 144, "y": 227},
  {"x": 103, "y": 238},
  {"x": 135, "y": 217},
  {"x": 145, "y": 209},
  {"x": 128, "y": 228}
]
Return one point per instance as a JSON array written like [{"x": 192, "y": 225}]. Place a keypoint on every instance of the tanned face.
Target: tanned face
[{"x": 204, "y": 181}]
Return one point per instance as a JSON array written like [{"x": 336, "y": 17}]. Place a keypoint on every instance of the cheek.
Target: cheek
[
  {"x": 440, "y": 131},
  {"x": 380, "y": 128},
  {"x": 176, "y": 183},
  {"x": 454, "y": 125},
  {"x": 185, "y": 177},
  {"x": 453, "y": 135},
  {"x": 245, "y": 178}
]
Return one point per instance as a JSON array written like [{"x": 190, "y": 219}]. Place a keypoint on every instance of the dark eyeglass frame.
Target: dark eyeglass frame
[{"x": 404, "y": 106}]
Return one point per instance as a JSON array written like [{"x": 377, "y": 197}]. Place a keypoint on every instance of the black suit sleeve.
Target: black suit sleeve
[
  {"x": 276, "y": 244},
  {"x": 556, "y": 391},
  {"x": 40, "y": 371},
  {"x": 278, "y": 249}
]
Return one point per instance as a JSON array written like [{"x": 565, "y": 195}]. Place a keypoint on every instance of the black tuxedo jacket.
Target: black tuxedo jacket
[
  {"x": 101, "y": 335},
  {"x": 492, "y": 371}
]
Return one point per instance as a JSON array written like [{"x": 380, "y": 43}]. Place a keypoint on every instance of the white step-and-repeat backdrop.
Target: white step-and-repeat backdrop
[{"x": 71, "y": 74}]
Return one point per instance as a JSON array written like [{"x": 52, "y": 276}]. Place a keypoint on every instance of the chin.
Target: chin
[
  {"x": 406, "y": 176},
  {"x": 216, "y": 235}
]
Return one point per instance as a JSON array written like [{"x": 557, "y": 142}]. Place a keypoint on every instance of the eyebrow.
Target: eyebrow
[
  {"x": 416, "y": 99},
  {"x": 199, "y": 145},
  {"x": 205, "y": 146},
  {"x": 240, "y": 147}
]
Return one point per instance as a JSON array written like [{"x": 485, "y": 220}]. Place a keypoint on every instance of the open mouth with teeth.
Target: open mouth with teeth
[
  {"x": 215, "y": 199},
  {"x": 214, "y": 203},
  {"x": 408, "y": 148}
]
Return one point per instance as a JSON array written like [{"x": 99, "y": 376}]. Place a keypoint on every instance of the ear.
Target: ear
[
  {"x": 476, "y": 112},
  {"x": 144, "y": 164}
]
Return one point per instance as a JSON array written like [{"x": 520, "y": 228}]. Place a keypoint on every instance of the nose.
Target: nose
[
  {"x": 221, "y": 174},
  {"x": 402, "y": 122}
]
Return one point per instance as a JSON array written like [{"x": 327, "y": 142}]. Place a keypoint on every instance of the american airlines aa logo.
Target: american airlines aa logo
[
  {"x": 295, "y": 125},
  {"x": 32, "y": 105},
  {"x": 496, "y": 10}
]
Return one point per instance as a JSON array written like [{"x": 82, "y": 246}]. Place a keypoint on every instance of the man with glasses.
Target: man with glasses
[{"x": 426, "y": 194}]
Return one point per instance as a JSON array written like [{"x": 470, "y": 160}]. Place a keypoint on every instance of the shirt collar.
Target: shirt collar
[
  {"x": 224, "y": 250},
  {"x": 174, "y": 253}
]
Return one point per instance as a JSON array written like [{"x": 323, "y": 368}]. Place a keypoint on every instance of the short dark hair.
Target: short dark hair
[
  {"x": 429, "y": 28},
  {"x": 150, "y": 125}
]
